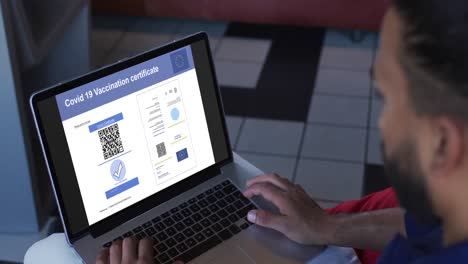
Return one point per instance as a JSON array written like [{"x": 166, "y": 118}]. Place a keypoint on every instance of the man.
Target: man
[{"x": 422, "y": 74}]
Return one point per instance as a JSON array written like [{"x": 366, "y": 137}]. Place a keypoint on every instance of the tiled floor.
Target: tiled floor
[{"x": 308, "y": 110}]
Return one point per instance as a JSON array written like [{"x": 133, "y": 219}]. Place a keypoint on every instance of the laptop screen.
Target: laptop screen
[{"x": 138, "y": 131}]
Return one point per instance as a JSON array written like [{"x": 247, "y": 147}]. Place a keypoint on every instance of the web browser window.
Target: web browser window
[{"x": 136, "y": 132}]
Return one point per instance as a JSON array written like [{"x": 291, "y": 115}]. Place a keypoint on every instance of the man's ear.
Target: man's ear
[{"x": 448, "y": 144}]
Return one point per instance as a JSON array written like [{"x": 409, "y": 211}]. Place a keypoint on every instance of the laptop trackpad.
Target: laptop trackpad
[{"x": 228, "y": 255}]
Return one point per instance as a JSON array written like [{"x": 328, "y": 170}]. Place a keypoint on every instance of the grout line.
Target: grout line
[
  {"x": 331, "y": 160},
  {"x": 337, "y": 68},
  {"x": 266, "y": 154},
  {"x": 331, "y": 125},
  {"x": 299, "y": 151},
  {"x": 331, "y": 94}
]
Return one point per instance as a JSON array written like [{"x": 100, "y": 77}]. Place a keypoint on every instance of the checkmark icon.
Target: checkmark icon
[{"x": 118, "y": 171}]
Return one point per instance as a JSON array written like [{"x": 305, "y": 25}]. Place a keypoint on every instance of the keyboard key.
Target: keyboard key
[
  {"x": 237, "y": 194},
  {"x": 191, "y": 242},
  {"x": 108, "y": 244},
  {"x": 230, "y": 209},
  {"x": 238, "y": 204},
  {"x": 226, "y": 182},
  {"x": 211, "y": 199},
  {"x": 183, "y": 205},
  {"x": 222, "y": 213},
  {"x": 225, "y": 223},
  {"x": 175, "y": 210},
  {"x": 195, "y": 208},
  {"x": 229, "y": 189},
  {"x": 168, "y": 221},
  {"x": 230, "y": 199},
  {"x": 221, "y": 203},
  {"x": 156, "y": 219},
  {"x": 200, "y": 237},
  {"x": 244, "y": 200},
  {"x": 244, "y": 226},
  {"x": 161, "y": 236},
  {"x": 219, "y": 194},
  {"x": 210, "y": 191},
  {"x": 166, "y": 215},
  {"x": 171, "y": 242},
  {"x": 138, "y": 229},
  {"x": 197, "y": 217},
  {"x": 216, "y": 227},
  {"x": 188, "y": 232},
  {"x": 243, "y": 212},
  {"x": 161, "y": 247},
  {"x": 128, "y": 234},
  {"x": 181, "y": 247},
  {"x": 163, "y": 258},
  {"x": 177, "y": 217},
  {"x": 191, "y": 201},
  {"x": 173, "y": 252},
  {"x": 203, "y": 203},
  {"x": 218, "y": 187},
  {"x": 214, "y": 218},
  {"x": 233, "y": 218},
  {"x": 205, "y": 222},
  {"x": 234, "y": 229},
  {"x": 150, "y": 231},
  {"x": 214, "y": 208},
  {"x": 199, "y": 249},
  {"x": 200, "y": 196},
  {"x": 188, "y": 221},
  {"x": 159, "y": 226},
  {"x": 197, "y": 227},
  {"x": 171, "y": 231},
  {"x": 205, "y": 212},
  {"x": 186, "y": 212},
  {"x": 147, "y": 224},
  {"x": 225, "y": 234},
  {"x": 179, "y": 226},
  {"x": 208, "y": 232},
  {"x": 179, "y": 237},
  {"x": 139, "y": 236}
]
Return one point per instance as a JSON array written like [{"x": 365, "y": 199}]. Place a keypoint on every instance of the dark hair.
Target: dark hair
[{"x": 434, "y": 55}]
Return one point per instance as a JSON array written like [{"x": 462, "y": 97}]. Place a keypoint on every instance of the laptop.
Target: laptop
[{"x": 140, "y": 148}]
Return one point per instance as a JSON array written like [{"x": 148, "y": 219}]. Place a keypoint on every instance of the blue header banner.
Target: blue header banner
[{"x": 117, "y": 85}]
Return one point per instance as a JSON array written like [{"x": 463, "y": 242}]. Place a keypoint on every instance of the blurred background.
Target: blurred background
[{"x": 294, "y": 77}]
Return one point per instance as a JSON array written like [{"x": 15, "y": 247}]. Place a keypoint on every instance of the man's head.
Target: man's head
[{"x": 422, "y": 73}]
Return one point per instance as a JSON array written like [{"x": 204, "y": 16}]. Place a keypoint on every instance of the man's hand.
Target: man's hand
[
  {"x": 128, "y": 251},
  {"x": 300, "y": 218}
]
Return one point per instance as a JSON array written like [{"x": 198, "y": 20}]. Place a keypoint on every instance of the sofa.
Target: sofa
[{"x": 344, "y": 14}]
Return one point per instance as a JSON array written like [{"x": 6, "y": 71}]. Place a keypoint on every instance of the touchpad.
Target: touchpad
[{"x": 233, "y": 255}]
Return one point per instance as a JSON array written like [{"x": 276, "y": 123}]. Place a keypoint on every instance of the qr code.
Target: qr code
[
  {"x": 110, "y": 141},
  {"x": 161, "y": 148}
]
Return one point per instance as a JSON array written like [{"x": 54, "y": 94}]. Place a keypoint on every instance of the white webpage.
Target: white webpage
[{"x": 130, "y": 148}]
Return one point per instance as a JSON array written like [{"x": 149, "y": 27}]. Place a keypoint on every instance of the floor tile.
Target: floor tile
[
  {"x": 328, "y": 180},
  {"x": 283, "y": 166},
  {"x": 374, "y": 154},
  {"x": 339, "y": 110},
  {"x": 238, "y": 74},
  {"x": 376, "y": 109},
  {"x": 336, "y": 38},
  {"x": 357, "y": 59},
  {"x": 213, "y": 29},
  {"x": 342, "y": 82},
  {"x": 234, "y": 124},
  {"x": 243, "y": 49},
  {"x": 102, "y": 41},
  {"x": 335, "y": 143},
  {"x": 268, "y": 136}
]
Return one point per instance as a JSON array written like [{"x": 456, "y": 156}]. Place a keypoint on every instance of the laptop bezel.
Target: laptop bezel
[{"x": 158, "y": 198}]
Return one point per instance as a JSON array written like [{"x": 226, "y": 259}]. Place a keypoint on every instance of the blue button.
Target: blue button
[
  {"x": 122, "y": 188},
  {"x": 182, "y": 154},
  {"x": 106, "y": 122}
]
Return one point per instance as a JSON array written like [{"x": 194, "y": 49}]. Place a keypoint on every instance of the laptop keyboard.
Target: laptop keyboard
[{"x": 196, "y": 225}]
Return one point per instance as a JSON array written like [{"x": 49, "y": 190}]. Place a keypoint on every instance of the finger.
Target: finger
[
  {"x": 103, "y": 256},
  {"x": 267, "y": 219},
  {"x": 129, "y": 250},
  {"x": 115, "y": 252},
  {"x": 270, "y": 192},
  {"x": 274, "y": 179},
  {"x": 145, "y": 251}
]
